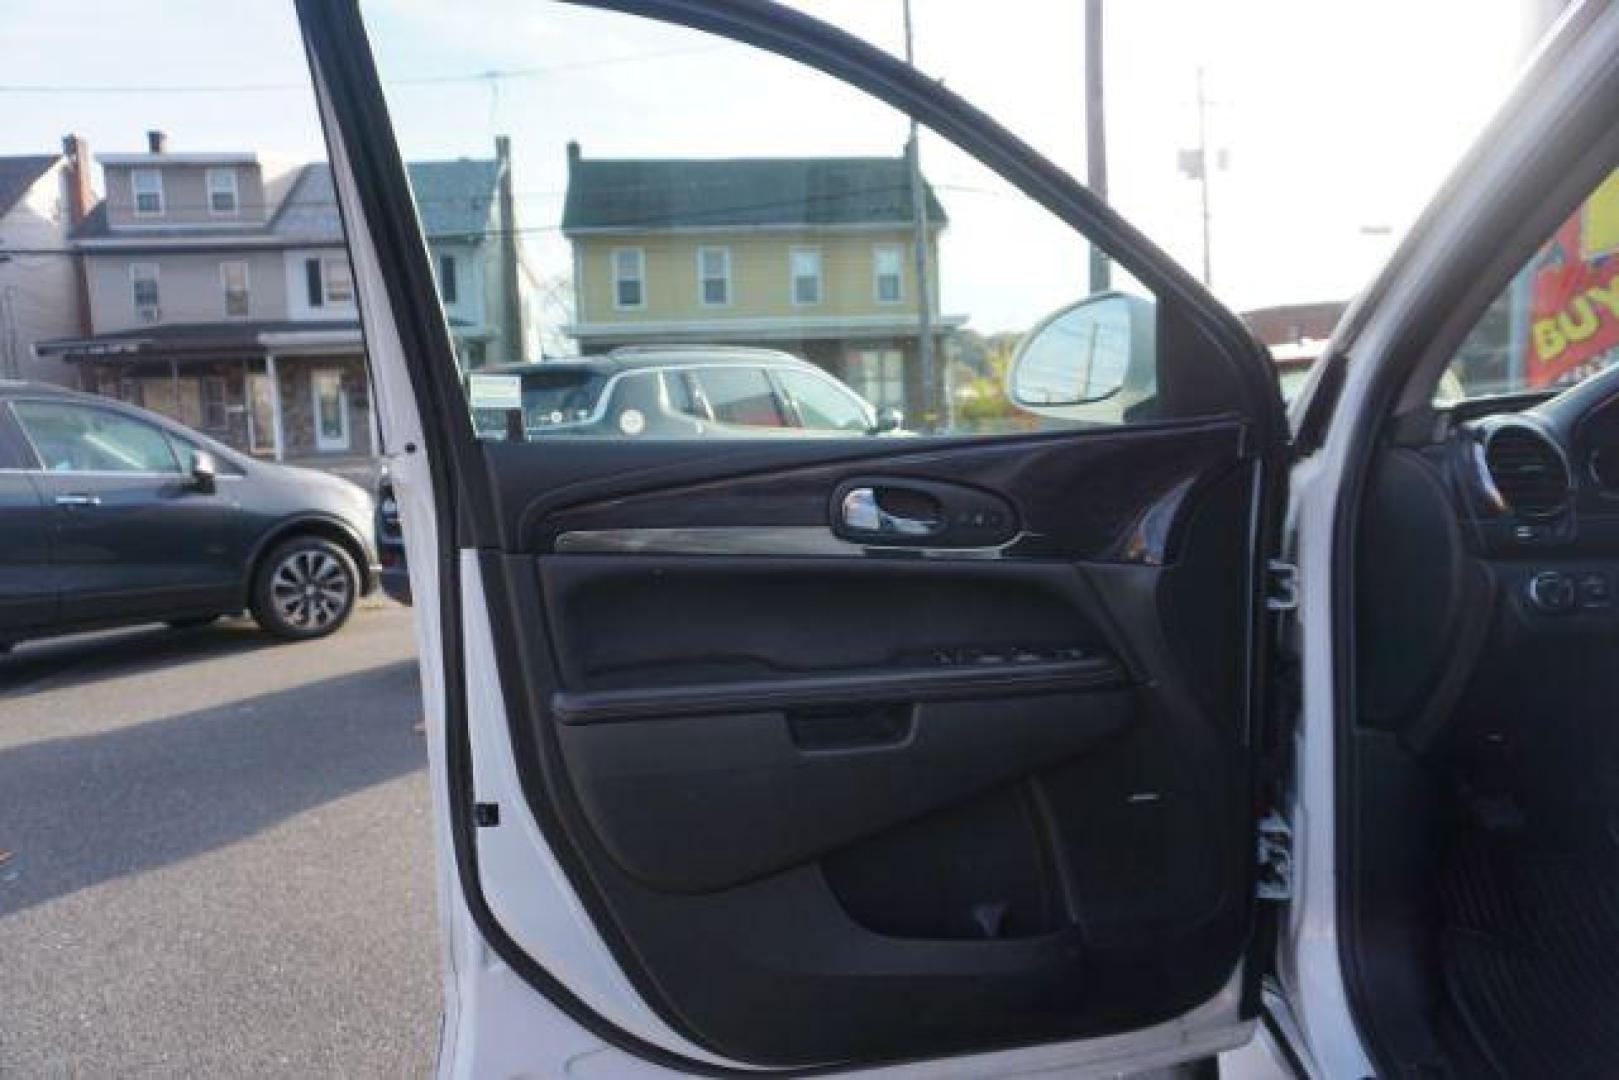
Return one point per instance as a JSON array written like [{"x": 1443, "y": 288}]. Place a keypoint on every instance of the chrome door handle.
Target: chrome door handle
[
  {"x": 861, "y": 512},
  {"x": 78, "y": 499}
]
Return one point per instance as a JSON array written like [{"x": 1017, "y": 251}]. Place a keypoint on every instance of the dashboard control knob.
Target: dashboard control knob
[{"x": 1550, "y": 590}]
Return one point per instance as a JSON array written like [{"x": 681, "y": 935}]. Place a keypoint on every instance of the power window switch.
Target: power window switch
[{"x": 1595, "y": 591}]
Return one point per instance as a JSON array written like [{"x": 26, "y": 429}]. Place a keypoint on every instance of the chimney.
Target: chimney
[
  {"x": 156, "y": 141},
  {"x": 573, "y": 153},
  {"x": 81, "y": 199},
  {"x": 81, "y": 196}
]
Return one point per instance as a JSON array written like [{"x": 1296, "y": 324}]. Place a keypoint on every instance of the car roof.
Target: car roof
[{"x": 639, "y": 357}]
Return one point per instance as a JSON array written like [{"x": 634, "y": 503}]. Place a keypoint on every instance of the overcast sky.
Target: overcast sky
[{"x": 1339, "y": 118}]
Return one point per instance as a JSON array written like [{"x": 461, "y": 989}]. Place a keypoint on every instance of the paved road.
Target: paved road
[{"x": 220, "y": 855}]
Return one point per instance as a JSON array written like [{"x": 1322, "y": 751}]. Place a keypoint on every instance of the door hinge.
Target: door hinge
[
  {"x": 1275, "y": 878},
  {"x": 1281, "y": 586}
]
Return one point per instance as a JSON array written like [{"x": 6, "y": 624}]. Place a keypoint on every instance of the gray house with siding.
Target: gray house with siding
[
  {"x": 220, "y": 293},
  {"x": 42, "y": 198}
]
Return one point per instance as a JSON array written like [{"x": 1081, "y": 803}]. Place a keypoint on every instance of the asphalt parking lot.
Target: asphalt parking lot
[{"x": 216, "y": 855}]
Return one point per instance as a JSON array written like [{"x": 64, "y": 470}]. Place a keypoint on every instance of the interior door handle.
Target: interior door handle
[
  {"x": 78, "y": 498},
  {"x": 861, "y": 512}
]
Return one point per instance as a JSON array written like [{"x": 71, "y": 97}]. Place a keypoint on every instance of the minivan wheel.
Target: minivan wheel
[{"x": 305, "y": 589}]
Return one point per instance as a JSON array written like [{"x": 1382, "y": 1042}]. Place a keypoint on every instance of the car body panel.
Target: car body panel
[{"x": 131, "y": 547}]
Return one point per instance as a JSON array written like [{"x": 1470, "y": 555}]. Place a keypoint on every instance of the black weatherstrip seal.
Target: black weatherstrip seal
[{"x": 464, "y": 516}]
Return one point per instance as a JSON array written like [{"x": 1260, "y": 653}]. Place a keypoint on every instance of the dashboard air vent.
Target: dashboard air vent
[{"x": 1528, "y": 471}]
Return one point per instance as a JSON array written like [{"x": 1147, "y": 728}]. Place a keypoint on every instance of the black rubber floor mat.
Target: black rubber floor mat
[{"x": 1531, "y": 955}]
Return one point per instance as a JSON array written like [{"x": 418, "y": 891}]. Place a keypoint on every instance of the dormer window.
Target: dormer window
[
  {"x": 147, "y": 185},
  {"x": 222, "y": 197}
]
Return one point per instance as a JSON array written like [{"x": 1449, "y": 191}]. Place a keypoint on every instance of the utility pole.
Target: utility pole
[
  {"x": 919, "y": 224},
  {"x": 1096, "y": 134},
  {"x": 1196, "y": 164},
  {"x": 1203, "y": 175}
]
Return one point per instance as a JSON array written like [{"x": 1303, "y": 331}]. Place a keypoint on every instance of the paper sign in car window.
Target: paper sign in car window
[{"x": 495, "y": 391}]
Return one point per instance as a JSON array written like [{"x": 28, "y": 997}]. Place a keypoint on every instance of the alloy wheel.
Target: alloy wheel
[{"x": 310, "y": 589}]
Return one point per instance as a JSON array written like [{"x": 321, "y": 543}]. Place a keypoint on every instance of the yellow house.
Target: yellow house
[{"x": 811, "y": 255}]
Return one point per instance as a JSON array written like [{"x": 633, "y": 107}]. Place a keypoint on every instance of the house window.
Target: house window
[
  {"x": 233, "y": 278},
  {"x": 878, "y": 375},
  {"x": 328, "y": 281},
  {"x": 222, "y": 191},
  {"x": 143, "y": 290},
  {"x": 148, "y": 188},
  {"x": 629, "y": 278},
  {"x": 215, "y": 413},
  {"x": 339, "y": 282},
  {"x": 887, "y": 263},
  {"x": 448, "y": 287},
  {"x": 805, "y": 264},
  {"x": 714, "y": 275}
]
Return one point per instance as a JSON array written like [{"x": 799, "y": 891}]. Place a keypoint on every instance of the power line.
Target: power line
[{"x": 491, "y": 75}]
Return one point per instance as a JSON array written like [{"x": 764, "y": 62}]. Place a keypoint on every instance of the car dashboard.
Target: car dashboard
[{"x": 1488, "y": 551}]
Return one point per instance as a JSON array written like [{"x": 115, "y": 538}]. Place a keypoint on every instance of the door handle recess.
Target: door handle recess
[
  {"x": 78, "y": 498},
  {"x": 862, "y": 512}
]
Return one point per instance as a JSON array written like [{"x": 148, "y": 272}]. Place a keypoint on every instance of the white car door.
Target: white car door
[{"x": 934, "y": 755}]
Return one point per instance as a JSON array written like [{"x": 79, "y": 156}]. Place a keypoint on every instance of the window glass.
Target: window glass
[
  {"x": 77, "y": 438},
  {"x": 887, "y": 265},
  {"x": 822, "y": 404},
  {"x": 629, "y": 269},
  {"x": 1557, "y": 322},
  {"x": 233, "y": 276},
  {"x": 667, "y": 220},
  {"x": 148, "y": 189},
  {"x": 222, "y": 191},
  {"x": 448, "y": 286},
  {"x": 714, "y": 269},
  {"x": 740, "y": 395},
  {"x": 878, "y": 375},
  {"x": 339, "y": 282},
  {"x": 806, "y": 264},
  {"x": 144, "y": 290}
]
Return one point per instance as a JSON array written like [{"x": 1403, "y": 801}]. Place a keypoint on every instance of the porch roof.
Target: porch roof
[{"x": 211, "y": 341}]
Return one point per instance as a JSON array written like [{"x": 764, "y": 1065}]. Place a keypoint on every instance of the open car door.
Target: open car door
[{"x": 760, "y": 751}]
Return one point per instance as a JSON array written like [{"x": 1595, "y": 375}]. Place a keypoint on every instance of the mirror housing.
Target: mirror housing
[
  {"x": 204, "y": 472},
  {"x": 889, "y": 419},
  {"x": 1091, "y": 360}
]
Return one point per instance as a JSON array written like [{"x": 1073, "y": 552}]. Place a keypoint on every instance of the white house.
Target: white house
[{"x": 42, "y": 198}]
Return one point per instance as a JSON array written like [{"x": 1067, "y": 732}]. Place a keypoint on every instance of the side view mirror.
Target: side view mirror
[
  {"x": 204, "y": 472},
  {"x": 888, "y": 419},
  {"x": 1101, "y": 349}
]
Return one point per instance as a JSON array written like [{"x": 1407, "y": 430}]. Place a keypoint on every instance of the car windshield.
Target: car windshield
[
  {"x": 551, "y": 399},
  {"x": 1557, "y": 320}
]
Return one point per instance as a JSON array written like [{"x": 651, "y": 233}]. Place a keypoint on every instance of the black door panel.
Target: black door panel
[
  {"x": 755, "y": 618},
  {"x": 951, "y": 800},
  {"x": 1108, "y": 497}
]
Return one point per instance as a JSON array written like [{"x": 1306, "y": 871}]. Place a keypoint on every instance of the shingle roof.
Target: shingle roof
[
  {"x": 667, "y": 194},
  {"x": 18, "y": 174},
  {"x": 456, "y": 198}
]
